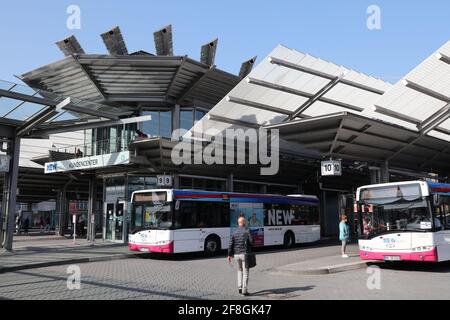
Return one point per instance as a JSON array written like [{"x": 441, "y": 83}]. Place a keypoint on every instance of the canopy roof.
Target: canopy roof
[
  {"x": 133, "y": 79},
  {"x": 301, "y": 94},
  {"x": 350, "y": 136}
]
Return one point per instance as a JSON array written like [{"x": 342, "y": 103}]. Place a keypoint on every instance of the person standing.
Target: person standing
[
  {"x": 344, "y": 234},
  {"x": 26, "y": 225},
  {"x": 241, "y": 243}
]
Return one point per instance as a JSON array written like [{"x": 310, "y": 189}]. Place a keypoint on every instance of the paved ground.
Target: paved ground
[
  {"x": 197, "y": 277},
  {"x": 31, "y": 251}
]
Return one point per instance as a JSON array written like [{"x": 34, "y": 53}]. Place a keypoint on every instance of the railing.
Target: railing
[{"x": 96, "y": 148}]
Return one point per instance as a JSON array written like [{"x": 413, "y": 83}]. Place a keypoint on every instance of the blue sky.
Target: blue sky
[{"x": 332, "y": 30}]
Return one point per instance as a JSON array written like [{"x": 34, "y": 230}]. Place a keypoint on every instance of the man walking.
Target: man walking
[{"x": 240, "y": 243}]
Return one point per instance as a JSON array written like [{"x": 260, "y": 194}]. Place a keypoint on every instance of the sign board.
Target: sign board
[
  {"x": 4, "y": 163},
  {"x": 164, "y": 180},
  {"x": 331, "y": 168},
  {"x": 93, "y": 162}
]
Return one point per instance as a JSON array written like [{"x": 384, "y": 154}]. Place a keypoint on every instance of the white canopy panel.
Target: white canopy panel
[
  {"x": 423, "y": 96},
  {"x": 288, "y": 85}
]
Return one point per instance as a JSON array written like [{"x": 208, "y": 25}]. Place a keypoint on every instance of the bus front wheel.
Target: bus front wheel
[
  {"x": 212, "y": 245},
  {"x": 289, "y": 240}
]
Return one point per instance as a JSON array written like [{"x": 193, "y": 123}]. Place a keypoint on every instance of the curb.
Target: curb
[
  {"x": 324, "y": 270},
  {"x": 69, "y": 261}
]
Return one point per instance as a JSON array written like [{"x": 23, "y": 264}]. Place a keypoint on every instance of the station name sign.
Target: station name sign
[{"x": 86, "y": 163}]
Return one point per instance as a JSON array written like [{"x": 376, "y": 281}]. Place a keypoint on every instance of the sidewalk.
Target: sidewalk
[
  {"x": 325, "y": 265},
  {"x": 52, "y": 250}
]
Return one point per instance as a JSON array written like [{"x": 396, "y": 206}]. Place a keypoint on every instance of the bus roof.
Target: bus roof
[
  {"x": 426, "y": 186},
  {"x": 238, "y": 197}
]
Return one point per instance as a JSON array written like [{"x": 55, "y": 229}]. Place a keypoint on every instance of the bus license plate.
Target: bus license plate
[
  {"x": 144, "y": 250},
  {"x": 391, "y": 258}
]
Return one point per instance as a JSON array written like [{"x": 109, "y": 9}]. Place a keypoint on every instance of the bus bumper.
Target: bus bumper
[
  {"x": 167, "y": 248},
  {"x": 425, "y": 256}
]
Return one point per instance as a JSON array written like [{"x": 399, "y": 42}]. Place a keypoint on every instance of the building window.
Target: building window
[
  {"x": 160, "y": 125},
  {"x": 186, "y": 119}
]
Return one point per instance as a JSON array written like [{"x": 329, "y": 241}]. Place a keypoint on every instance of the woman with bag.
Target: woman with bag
[{"x": 240, "y": 248}]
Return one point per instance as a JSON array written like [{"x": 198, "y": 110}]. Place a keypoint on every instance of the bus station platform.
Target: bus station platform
[
  {"x": 48, "y": 251},
  {"x": 326, "y": 264}
]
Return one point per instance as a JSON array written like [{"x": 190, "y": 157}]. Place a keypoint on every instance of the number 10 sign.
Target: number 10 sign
[{"x": 331, "y": 168}]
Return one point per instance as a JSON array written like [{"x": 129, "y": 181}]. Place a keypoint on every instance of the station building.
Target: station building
[{"x": 102, "y": 123}]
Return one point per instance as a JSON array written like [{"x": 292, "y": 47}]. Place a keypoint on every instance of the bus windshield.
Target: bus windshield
[
  {"x": 394, "y": 208},
  {"x": 152, "y": 215}
]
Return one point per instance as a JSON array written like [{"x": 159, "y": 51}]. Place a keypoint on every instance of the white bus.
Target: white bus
[
  {"x": 176, "y": 221},
  {"x": 404, "y": 221}
]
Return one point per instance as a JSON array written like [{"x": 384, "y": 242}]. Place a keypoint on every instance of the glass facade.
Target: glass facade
[
  {"x": 160, "y": 125},
  {"x": 188, "y": 117}
]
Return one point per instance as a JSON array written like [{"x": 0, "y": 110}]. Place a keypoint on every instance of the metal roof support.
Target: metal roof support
[
  {"x": 257, "y": 105},
  {"x": 417, "y": 87},
  {"x": 194, "y": 84},
  {"x": 278, "y": 87},
  {"x": 91, "y": 78},
  {"x": 70, "y": 46},
  {"x": 175, "y": 76},
  {"x": 300, "y": 68},
  {"x": 114, "y": 42},
  {"x": 26, "y": 98},
  {"x": 330, "y": 85},
  {"x": 91, "y": 125},
  {"x": 247, "y": 67},
  {"x": 208, "y": 52},
  {"x": 443, "y": 57},
  {"x": 333, "y": 145},
  {"x": 397, "y": 115},
  {"x": 239, "y": 123},
  {"x": 434, "y": 120},
  {"x": 163, "y": 41},
  {"x": 92, "y": 112},
  {"x": 41, "y": 117}
]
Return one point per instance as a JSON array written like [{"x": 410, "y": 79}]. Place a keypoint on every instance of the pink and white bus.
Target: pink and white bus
[
  {"x": 404, "y": 221},
  {"x": 176, "y": 221}
]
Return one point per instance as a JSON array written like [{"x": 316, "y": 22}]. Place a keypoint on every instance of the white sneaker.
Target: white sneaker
[{"x": 344, "y": 256}]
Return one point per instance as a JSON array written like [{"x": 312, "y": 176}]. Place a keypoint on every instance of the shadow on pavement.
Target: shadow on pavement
[{"x": 282, "y": 292}]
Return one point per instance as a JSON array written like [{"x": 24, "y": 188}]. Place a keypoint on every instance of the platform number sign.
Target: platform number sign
[
  {"x": 331, "y": 168},
  {"x": 164, "y": 180}
]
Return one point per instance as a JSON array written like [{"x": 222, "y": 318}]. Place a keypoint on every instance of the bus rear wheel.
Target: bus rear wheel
[
  {"x": 289, "y": 240},
  {"x": 212, "y": 245}
]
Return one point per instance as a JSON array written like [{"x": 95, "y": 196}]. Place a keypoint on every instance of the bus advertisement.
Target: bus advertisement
[{"x": 176, "y": 221}]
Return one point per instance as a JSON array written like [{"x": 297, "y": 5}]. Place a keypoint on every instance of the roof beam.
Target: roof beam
[
  {"x": 304, "y": 94},
  {"x": 257, "y": 105},
  {"x": 175, "y": 76},
  {"x": 91, "y": 125},
  {"x": 419, "y": 88},
  {"x": 235, "y": 122},
  {"x": 317, "y": 73},
  {"x": 26, "y": 98},
  {"x": 91, "y": 78},
  {"x": 70, "y": 46},
  {"x": 443, "y": 57},
  {"x": 398, "y": 115},
  {"x": 40, "y": 117},
  {"x": 247, "y": 67},
  {"x": 193, "y": 85},
  {"x": 114, "y": 42},
  {"x": 208, "y": 52},
  {"x": 163, "y": 41},
  {"x": 435, "y": 120},
  {"x": 330, "y": 85},
  {"x": 91, "y": 112}
]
